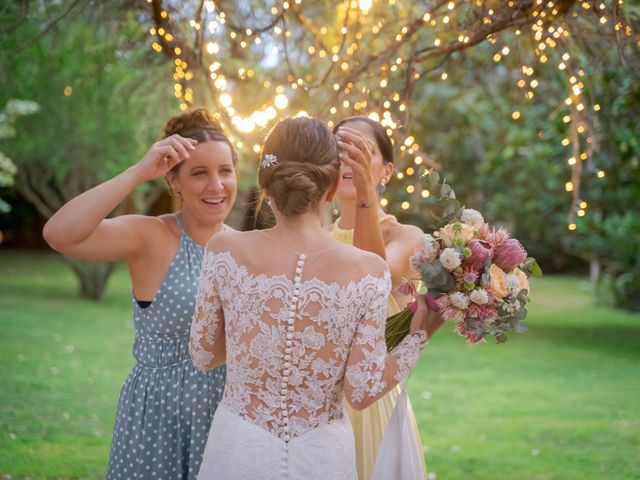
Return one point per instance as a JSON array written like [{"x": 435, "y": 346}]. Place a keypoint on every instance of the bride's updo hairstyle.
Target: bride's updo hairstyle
[
  {"x": 299, "y": 164},
  {"x": 198, "y": 124}
]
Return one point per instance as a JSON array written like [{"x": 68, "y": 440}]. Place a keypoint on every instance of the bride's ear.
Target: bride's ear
[{"x": 331, "y": 193}]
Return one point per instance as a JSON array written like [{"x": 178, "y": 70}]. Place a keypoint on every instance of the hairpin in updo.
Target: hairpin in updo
[{"x": 268, "y": 160}]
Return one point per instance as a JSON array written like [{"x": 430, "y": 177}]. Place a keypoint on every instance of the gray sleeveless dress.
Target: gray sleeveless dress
[{"x": 166, "y": 405}]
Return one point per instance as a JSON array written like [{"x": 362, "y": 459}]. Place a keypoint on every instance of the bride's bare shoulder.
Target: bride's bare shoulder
[
  {"x": 225, "y": 239},
  {"x": 361, "y": 260}
]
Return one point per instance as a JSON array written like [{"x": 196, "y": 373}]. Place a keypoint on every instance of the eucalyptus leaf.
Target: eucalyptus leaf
[
  {"x": 536, "y": 270},
  {"x": 434, "y": 177},
  {"x": 444, "y": 281},
  {"x": 521, "y": 314},
  {"x": 523, "y": 296},
  {"x": 501, "y": 338},
  {"x": 431, "y": 270}
]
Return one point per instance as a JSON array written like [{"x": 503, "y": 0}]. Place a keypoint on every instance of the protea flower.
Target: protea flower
[
  {"x": 407, "y": 288},
  {"x": 509, "y": 255},
  {"x": 471, "y": 335},
  {"x": 480, "y": 252},
  {"x": 498, "y": 237}
]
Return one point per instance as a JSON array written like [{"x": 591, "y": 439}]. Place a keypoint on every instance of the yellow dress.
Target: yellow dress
[{"x": 369, "y": 424}]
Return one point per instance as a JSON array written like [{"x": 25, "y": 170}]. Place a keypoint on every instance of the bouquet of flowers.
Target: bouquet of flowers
[{"x": 475, "y": 275}]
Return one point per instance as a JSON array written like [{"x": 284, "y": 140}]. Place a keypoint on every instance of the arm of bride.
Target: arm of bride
[
  {"x": 207, "y": 341},
  {"x": 370, "y": 371}
]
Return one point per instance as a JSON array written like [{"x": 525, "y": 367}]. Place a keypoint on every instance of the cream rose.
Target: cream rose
[
  {"x": 479, "y": 297},
  {"x": 498, "y": 281},
  {"x": 459, "y": 300},
  {"x": 456, "y": 230},
  {"x": 522, "y": 278},
  {"x": 472, "y": 217}
]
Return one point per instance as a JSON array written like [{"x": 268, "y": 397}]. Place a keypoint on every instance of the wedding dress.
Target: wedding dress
[{"x": 294, "y": 348}]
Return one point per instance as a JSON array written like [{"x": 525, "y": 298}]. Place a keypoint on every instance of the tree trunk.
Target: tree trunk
[
  {"x": 594, "y": 271},
  {"x": 92, "y": 277}
]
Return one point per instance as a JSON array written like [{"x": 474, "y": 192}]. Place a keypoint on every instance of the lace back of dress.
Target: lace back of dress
[
  {"x": 288, "y": 339},
  {"x": 288, "y": 349}
]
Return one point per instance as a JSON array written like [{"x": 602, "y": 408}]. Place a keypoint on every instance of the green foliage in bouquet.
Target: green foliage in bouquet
[
  {"x": 442, "y": 208},
  {"x": 442, "y": 205}
]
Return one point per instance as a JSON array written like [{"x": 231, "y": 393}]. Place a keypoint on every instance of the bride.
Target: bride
[{"x": 299, "y": 319}]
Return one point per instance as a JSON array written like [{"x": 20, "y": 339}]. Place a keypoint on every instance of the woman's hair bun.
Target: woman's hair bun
[
  {"x": 199, "y": 124},
  {"x": 307, "y": 164},
  {"x": 196, "y": 119}
]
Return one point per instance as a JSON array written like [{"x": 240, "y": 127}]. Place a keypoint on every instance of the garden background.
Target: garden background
[{"x": 529, "y": 109}]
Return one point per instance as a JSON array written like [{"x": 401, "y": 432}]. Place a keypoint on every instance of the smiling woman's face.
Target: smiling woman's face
[
  {"x": 207, "y": 182},
  {"x": 379, "y": 170}
]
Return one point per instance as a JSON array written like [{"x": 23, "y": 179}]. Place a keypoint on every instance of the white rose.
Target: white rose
[
  {"x": 429, "y": 246},
  {"x": 472, "y": 217},
  {"x": 512, "y": 283},
  {"x": 479, "y": 297},
  {"x": 428, "y": 240},
  {"x": 450, "y": 259},
  {"x": 459, "y": 300}
]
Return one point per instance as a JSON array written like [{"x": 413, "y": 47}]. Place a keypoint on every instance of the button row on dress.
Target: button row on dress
[{"x": 287, "y": 357}]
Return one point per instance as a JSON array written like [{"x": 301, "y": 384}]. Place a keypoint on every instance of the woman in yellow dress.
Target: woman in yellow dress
[{"x": 367, "y": 165}]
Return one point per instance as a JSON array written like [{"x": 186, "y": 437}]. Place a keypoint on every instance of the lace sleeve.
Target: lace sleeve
[
  {"x": 370, "y": 371},
  {"x": 207, "y": 342}
]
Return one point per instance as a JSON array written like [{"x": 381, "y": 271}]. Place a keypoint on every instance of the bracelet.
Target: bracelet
[{"x": 364, "y": 205}]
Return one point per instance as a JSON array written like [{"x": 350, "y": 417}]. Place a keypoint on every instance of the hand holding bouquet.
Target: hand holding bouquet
[{"x": 476, "y": 276}]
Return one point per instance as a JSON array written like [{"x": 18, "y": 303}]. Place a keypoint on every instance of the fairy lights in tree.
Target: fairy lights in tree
[{"x": 258, "y": 61}]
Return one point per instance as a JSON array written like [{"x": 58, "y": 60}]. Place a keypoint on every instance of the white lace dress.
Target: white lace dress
[{"x": 293, "y": 349}]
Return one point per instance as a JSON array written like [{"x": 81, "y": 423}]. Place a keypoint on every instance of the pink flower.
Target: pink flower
[
  {"x": 441, "y": 302},
  {"x": 485, "y": 313},
  {"x": 473, "y": 337},
  {"x": 453, "y": 313},
  {"x": 413, "y": 306},
  {"x": 480, "y": 252},
  {"x": 406, "y": 288},
  {"x": 498, "y": 237},
  {"x": 483, "y": 232},
  {"x": 418, "y": 259},
  {"x": 469, "y": 275},
  {"x": 435, "y": 304},
  {"x": 509, "y": 255}
]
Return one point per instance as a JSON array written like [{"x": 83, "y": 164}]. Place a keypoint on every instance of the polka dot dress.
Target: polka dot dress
[{"x": 166, "y": 405}]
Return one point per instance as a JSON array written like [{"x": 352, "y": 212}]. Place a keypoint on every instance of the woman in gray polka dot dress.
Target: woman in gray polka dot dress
[{"x": 166, "y": 405}]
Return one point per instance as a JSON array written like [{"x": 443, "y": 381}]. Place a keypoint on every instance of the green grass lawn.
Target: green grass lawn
[{"x": 560, "y": 402}]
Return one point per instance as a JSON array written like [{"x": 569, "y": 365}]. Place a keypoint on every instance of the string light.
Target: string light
[{"x": 343, "y": 48}]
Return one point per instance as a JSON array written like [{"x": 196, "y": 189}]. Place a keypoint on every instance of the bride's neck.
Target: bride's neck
[{"x": 302, "y": 226}]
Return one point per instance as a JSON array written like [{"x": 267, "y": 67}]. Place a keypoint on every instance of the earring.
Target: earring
[
  {"x": 173, "y": 193},
  {"x": 382, "y": 188},
  {"x": 334, "y": 209}
]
